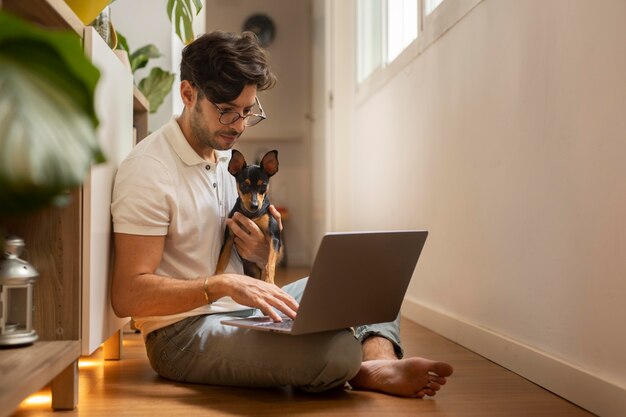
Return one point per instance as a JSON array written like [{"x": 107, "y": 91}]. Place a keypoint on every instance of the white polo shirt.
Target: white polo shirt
[{"x": 164, "y": 188}]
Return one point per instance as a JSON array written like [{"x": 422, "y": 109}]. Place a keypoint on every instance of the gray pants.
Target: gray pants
[{"x": 201, "y": 350}]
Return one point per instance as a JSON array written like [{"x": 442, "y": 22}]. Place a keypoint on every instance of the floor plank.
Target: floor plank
[{"x": 478, "y": 388}]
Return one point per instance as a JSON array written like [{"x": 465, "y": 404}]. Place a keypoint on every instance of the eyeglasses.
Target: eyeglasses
[{"x": 230, "y": 117}]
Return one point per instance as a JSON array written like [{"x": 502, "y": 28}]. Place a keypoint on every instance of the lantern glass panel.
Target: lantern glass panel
[{"x": 16, "y": 309}]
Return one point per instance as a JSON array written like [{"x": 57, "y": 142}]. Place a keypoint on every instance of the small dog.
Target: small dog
[{"x": 252, "y": 186}]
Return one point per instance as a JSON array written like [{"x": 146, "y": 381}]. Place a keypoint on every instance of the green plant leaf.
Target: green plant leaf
[
  {"x": 122, "y": 43},
  {"x": 170, "y": 8},
  {"x": 188, "y": 27},
  {"x": 141, "y": 56},
  {"x": 156, "y": 86},
  {"x": 158, "y": 83},
  {"x": 47, "y": 142},
  {"x": 187, "y": 6},
  {"x": 47, "y": 115},
  {"x": 57, "y": 55},
  {"x": 181, "y": 14}
]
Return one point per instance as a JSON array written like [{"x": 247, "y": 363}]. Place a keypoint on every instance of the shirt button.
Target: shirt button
[
  {"x": 214, "y": 185},
  {"x": 208, "y": 167}
]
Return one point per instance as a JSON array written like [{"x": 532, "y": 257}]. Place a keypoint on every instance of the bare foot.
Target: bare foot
[{"x": 411, "y": 377}]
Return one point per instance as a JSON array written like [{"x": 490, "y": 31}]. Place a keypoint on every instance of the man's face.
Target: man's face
[{"x": 206, "y": 128}]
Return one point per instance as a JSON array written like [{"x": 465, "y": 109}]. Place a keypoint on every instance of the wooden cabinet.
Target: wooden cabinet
[
  {"x": 114, "y": 106},
  {"x": 70, "y": 246}
]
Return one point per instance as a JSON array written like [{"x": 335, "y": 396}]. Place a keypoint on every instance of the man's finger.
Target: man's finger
[
  {"x": 276, "y": 214},
  {"x": 245, "y": 225},
  {"x": 289, "y": 301},
  {"x": 236, "y": 228},
  {"x": 269, "y": 311},
  {"x": 285, "y": 302},
  {"x": 284, "y": 308},
  {"x": 241, "y": 248}
]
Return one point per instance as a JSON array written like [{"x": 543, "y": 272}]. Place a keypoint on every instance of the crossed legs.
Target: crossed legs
[{"x": 201, "y": 350}]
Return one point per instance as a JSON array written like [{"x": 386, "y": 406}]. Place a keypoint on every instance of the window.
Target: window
[
  {"x": 392, "y": 33},
  {"x": 385, "y": 29},
  {"x": 369, "y": 37},
  {"x": 431, "y": 5},
  {"x": 401, "y": 26}
]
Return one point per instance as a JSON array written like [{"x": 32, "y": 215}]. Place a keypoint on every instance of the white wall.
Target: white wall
[
  {"x": 506, "y": 140},
  {"x": 320, "y": 127},
  {"x": 288, "y": 105}
]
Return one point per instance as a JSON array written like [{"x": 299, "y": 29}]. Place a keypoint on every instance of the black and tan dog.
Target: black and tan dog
[{"x": 252, "y": 186}]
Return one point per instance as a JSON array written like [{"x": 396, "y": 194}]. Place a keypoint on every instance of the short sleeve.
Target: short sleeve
[{"x": 143, "y": 197}]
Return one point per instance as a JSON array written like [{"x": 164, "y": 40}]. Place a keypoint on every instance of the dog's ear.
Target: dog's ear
[
  {"x": 269, "y": 163},
  {"x": 237, "y": 163}
]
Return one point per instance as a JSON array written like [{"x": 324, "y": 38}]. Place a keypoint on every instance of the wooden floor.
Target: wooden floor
[{"x": 129, "y": 387}]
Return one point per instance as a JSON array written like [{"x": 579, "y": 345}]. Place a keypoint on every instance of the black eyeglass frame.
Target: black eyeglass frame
[{"x": 261, "y": 116}]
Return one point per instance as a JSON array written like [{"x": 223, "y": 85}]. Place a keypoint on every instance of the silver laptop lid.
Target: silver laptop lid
[{"x": 358, "y": 278}]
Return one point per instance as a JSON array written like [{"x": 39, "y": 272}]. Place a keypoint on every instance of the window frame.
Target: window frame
[{"x": 429, "y": 29}]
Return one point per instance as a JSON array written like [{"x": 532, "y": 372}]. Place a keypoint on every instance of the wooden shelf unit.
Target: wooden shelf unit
[
  {"x": 54, "y": 245},
  {"x": 53, "y": 242}
]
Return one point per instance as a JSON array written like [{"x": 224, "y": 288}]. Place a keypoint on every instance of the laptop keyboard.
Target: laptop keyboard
[{"x": 285, "y": 324}]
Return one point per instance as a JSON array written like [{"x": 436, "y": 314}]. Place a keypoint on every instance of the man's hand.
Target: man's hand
[
  {"x": 253, "y": 292},
  {"x": 251, "y": 243}
]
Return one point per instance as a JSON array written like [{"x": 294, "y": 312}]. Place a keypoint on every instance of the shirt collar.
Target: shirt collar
[{"x": 184, "y": 150}]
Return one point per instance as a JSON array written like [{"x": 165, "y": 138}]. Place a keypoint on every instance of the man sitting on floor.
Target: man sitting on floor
[{"x": 171, "y": 201}]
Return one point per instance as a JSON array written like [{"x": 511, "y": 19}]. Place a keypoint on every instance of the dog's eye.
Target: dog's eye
[
  {"x": 263, "y": 189},
  {"x": 244, "y": 188}
]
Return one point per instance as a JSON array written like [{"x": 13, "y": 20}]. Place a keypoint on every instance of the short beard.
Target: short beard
[{"x": 201, "y": 134}]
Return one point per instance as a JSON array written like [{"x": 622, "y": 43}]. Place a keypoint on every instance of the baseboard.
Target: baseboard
[{"x": 566, "y": 380}]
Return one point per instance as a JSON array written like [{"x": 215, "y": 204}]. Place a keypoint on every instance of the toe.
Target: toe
[
  {"x": 430, "y": 392},
  {"x": 433, "y": 386},
  {"x": 442, "y": 369},
  {"x": 438, "y": 379}
]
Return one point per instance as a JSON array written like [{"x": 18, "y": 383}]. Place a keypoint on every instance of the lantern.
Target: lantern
[{"x": 17, "y": 278}]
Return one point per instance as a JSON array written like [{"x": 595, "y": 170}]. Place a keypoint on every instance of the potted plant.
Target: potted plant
[{"x": 158, "y": 83}]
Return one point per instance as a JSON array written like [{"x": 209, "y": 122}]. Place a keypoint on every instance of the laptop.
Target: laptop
[{"x": 357, "y": 278}]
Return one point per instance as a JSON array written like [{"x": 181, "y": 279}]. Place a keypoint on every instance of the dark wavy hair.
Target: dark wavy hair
[{"x": 221, "y": 64}]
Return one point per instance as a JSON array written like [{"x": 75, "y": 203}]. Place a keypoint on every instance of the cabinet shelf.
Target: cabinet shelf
[
  {"x": 140, "y": 102},
  {"x": 27, "y": 369},
  {"x": 141, "y": 107},
  {"x": 49, "y": 13}
]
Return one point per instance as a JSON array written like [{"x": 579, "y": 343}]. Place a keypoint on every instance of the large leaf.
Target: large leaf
[
  {"x": 182, "y": 13},
  {"x": 141, "y": 56},
  {"x": 47, "y": 115},
  {"x": 56, "y": 55},
  {"x": 156, "y": 86},
  {"x": 47, "y": 142}
]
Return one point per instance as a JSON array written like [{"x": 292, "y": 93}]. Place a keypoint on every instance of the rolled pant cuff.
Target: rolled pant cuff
[{"x": 363, "y": 332}]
